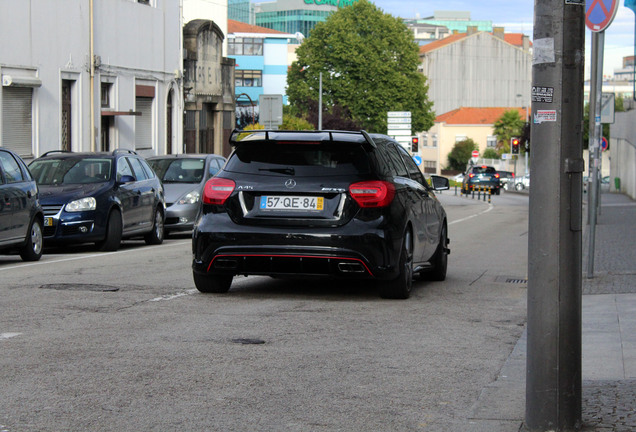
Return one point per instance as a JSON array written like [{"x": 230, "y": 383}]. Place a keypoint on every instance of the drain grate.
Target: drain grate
[
  {"x": 511, "y": 279},
  {"x": 517, "y": 280},
  {"x": 248, "y": 341},
  {"x": 82, "y": 287}
]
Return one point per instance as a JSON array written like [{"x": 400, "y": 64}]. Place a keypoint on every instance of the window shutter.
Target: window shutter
[
  {"x": 143, "y": 123},
  {"x": 17, "y": 120}
]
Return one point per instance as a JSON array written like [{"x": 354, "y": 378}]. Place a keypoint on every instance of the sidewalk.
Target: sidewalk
[{"x": 608, "y": 337}]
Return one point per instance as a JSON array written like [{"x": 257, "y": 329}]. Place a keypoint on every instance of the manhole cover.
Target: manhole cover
[{"x": 80, "y": 287}]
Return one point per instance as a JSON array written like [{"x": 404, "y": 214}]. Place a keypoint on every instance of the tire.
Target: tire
[
  {"x": 498, "y": 192},
  {"x": 400, "y": 287},
  {"x": 155, "y": 236},
  {"x": 439, "y": 261},
  {"x": 32, "y": 249},
  {"x": 113, "y": 233},
  {"x": 519, "y": 186},
  {"x": 212, "y": 283}
]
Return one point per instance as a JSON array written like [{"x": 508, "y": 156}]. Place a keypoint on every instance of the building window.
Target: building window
[
  {"x": 106, "y": 95},
  {"x": 248, "y": 78},
  {"x": 434, "y": 139},
  {"x": 424, "y": 140},
  {"x": 245, "y": 46},
  {"x": 146, "y": 2},
  {"x": 460, "y": 138},
  {"x": 491, "y": 141},
  {"x": 17, "y": 119}
]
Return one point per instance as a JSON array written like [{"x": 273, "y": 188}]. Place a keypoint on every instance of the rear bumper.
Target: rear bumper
[{"x": 351, "y": 251}]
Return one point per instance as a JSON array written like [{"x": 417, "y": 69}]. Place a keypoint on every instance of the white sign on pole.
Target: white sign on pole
[{"x": 399, "y": 127}]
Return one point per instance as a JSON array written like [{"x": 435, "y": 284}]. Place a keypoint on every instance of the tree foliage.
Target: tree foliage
[
  {"x": 461, "y": 153},
  {"x": 368, "y": 61},
  {"x": 491, "y": 153},
  {"x": 509, "y": 125}
]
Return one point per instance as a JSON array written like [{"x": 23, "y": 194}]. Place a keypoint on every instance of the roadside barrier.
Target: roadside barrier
[{"x": 482, "y": 191}]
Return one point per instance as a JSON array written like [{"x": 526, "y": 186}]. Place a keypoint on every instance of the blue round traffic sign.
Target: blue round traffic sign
[
  {"x": 418, "y": 160},
  {"x": 604, "y": 144},
  {"x": 599, "y": 14}
]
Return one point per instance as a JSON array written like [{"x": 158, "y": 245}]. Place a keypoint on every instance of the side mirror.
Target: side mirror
[
  {"x": 440, "y": 183},
  {"x": 126, "y": 179}
]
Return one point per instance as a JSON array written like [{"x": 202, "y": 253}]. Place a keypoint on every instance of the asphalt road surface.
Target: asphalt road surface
[{"x": 123, "y": 342}]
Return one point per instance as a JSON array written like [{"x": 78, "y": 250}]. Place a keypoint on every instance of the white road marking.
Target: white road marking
[
  {"x": 8, "y": 335},
  {"x": 490, "y": 207},
  {"x": 174, "y": 296},
  {"x": 101, "y": 254}
]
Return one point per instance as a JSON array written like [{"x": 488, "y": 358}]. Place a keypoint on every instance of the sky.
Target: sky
[{"x": 517, "y": 16}]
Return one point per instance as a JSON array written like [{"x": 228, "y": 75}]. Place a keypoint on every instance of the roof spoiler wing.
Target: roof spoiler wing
[{"x": 275, "y": 136}]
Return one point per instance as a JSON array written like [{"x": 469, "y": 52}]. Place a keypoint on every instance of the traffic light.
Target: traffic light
[
  {"x": 414, "y": 144},
  {"x": 514, "y": 145}
]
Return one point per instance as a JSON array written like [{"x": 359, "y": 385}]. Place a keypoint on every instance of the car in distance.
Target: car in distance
[
  {"x": 21, "y": 216},
  {"x": 336, "y": 204},
  {"x": 522, "y": 182},
  {"x": 507, "y": 179},
  {"x": 99, "y": 197},
  {"x": 183, "y": 177},
  {"x": 481, "y": 177}
]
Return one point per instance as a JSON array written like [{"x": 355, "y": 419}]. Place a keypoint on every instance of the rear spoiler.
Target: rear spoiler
[{"x": 307, "y": 137}]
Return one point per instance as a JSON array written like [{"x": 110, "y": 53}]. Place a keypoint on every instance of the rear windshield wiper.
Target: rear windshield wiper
[{"x": 288, "y": 171}]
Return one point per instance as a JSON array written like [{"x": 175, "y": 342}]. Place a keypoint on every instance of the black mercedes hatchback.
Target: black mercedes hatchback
[
  {"x": 99, "y": 197},
  {"x": 320, "y": 204}
]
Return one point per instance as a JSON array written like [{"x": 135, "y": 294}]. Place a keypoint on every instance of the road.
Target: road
[{"x": 122, "y": 341}]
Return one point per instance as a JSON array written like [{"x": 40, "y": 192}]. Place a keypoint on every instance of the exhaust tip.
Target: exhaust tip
[{"x": 350, "y": 267}]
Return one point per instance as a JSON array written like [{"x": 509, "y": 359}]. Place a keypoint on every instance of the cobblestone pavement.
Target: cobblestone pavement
[{"x": 609, "y": 406}]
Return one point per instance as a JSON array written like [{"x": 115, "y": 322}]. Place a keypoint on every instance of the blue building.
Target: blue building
[{"x": 262, "y": 58}]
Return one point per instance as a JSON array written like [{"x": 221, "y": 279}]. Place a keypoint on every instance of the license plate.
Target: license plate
[
  {"x": 48, "y": 221},
  {"x": 291, "y": 203}
]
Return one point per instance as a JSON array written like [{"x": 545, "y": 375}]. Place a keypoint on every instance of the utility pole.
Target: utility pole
[{"x": 553, "y": 380}]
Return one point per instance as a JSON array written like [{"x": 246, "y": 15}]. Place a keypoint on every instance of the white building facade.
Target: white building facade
[{"x": 84, "y": 75}]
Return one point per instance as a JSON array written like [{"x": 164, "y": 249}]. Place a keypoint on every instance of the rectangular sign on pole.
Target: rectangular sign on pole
[{"x": 399, "y": 126}]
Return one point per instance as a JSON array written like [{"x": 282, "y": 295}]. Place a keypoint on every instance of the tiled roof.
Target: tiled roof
[
  {"x": 442, "y": 42},
  {"x": 476, "y": 116},
  {"x": 515, "y": 39},
  {"x": 241, "y": 27}
]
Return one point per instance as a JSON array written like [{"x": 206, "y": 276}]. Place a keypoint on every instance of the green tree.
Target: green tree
[
  {"x": 509, "y": 125},
  {"x": 291, "y": 122},
  {"x": 491, "y": 153},
  {"x": 460, "y": 154},
  {"x": 369, "y": 62}
]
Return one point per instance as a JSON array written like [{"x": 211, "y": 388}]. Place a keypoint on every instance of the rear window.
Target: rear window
[
  {"x": 484, "y": 170},
  {"x": 183, "y": 170},
  {"x": 311, "y": 159}
]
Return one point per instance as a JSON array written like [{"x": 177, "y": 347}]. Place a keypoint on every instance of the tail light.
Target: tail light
[
  {"x": 471, "y": 175},
  {"x": 372, "y": 193},
  {"x": 497, "y": 175},
  {"x": 217, "y": 190}
]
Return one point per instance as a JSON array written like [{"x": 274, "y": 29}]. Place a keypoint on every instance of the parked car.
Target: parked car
[
  {"x": 522, "y": 182},
  {"x": 507, "y": 179},
  {"x": 320, "y": 204},
  {"x": 21, "y": 216},
  {"x": 481, "y": 176},
  {"x": 183, "y": 177},
  {"x": 99, "y": 197}
]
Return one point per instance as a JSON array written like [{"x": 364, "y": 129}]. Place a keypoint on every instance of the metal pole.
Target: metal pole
[
  {"x": 596, "y": 134},
  {"x": 553, "y": 377},
  {"x": 320, "y": 102}
]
